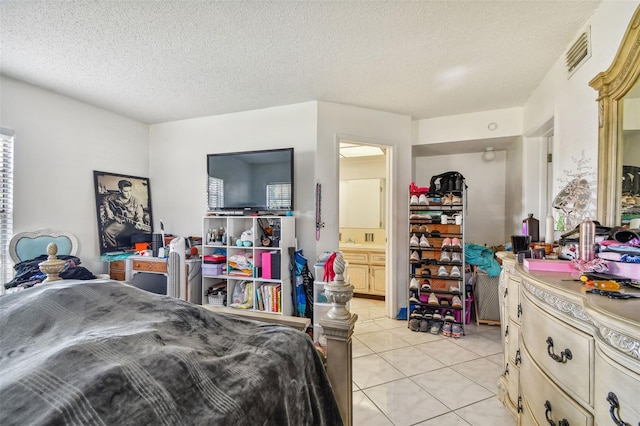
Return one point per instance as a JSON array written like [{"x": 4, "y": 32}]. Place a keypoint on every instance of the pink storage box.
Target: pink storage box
[
  {"x": 266, "y": 265},
  {"x": 213, "y": 269},
  {"x": 624, "y": 269},
  {"x": 548, "y": 265}
]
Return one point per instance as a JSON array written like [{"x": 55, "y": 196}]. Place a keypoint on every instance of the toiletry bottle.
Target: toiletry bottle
[
  {"x": 587, "y": 240},
  {"x": 531, "y": 227}
]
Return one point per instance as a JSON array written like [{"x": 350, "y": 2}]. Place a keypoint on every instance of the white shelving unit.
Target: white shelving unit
[
  {"x": 233, "y": 227},
  {"x": 320, "y": 303}
]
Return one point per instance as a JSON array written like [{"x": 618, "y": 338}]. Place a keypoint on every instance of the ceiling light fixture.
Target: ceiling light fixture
[{"x": 488, "y": 154}]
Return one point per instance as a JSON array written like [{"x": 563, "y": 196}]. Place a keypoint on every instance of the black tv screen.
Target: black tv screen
[{"x": 253, "y": 180}]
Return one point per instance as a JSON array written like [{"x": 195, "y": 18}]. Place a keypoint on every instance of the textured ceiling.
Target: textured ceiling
[{"x": 170, "y": 60}]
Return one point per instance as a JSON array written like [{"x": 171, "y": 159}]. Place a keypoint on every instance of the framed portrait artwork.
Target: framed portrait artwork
[{"x": 123, "y": 207}]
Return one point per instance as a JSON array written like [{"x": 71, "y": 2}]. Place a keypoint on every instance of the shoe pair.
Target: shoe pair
[
  {"x": 451, "y": 200},
  {"x": 421, "y": 200},
  {"x": 455, "y": 272},
  {"x": 415, "y": 256},
  {"x": 451, "y": 243},
  {"x": 421, "y": 242},
  {"x": 454, "y": 257}
]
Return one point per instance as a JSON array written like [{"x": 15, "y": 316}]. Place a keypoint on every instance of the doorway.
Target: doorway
[{"x": 365, "y": 217}]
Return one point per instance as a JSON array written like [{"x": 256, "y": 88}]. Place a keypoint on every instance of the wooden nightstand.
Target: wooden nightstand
[{"x": 117, "y": 270}]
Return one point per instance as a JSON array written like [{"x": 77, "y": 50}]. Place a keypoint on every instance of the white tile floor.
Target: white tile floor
[{"x": 401, "y": 377}]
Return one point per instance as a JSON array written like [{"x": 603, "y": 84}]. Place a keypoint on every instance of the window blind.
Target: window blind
[
  {"x": 215, "y": 199},
  {"x": 279, "y": 195},
  {"x": 6, "y": 204}
]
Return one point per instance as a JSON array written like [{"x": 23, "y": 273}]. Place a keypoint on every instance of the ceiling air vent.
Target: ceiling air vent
[{"x": 579, "y": 52}]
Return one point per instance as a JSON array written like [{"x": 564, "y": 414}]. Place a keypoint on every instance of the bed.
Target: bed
[{"x": 104, "y": 352}]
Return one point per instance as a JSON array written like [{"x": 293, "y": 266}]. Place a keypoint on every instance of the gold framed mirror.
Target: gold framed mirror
[{"x": 619, "y": 131}]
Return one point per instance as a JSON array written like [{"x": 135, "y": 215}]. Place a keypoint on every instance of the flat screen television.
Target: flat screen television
[{"x": 251, "y": 181}]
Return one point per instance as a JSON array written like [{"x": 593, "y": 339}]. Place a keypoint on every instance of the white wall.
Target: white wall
[
  {"x": 485, "y": 202},
  {"x": 59, "y": 142},
  {"x": 572, "y": 102},
  {"x": 373, "y": 127},
  {"x": 177, "y": 157},
  {"x": 465, "y": 127}
]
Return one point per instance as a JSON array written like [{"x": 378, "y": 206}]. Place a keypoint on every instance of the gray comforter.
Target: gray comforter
[{"x": 104, "y": 353}]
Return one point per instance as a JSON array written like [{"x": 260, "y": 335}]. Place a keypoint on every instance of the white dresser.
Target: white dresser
[{"x": 571, "y": 358}]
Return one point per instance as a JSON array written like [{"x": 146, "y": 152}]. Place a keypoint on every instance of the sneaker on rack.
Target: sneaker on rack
[
  {"x": 442, "y": 272},
  {"x": 455, "y": 242},
  {"x": 414, "y": 324},
  {"x": 426, "y": 286},
  {"x": 424, "y": 325},
  {"x": 414, "y": 241},
  {"x": 414, "y": 216},
  {"x": 423, "y": 200},
  {"x": 455, "y": 272},
  {"x": 454, "y": 289},
  {"x": 435, "y": 327},
  {"x": 447, "y": 200},
  {"x": 424, "y": 242},
  {"x": 423, "y": 228},
  {"x": 414, "y": 300},
  {"x": 414, "y": 200},
  {"x": 433, "y": 299},
  {"x": 455, "y": 257},
  {"x": 448, "y": 316},
  {"x": 456, "y": 302},
  {"x": 456, "y": 330},
  {"x": 446, "y": 329},
  {"x": 436, "y": 315},
  {"x": 413, "y": 284},
  {"x": 415, "y": 256},
  {"x": 446, "y": 243},
  {"x": 444, "y": 257},
  {"x": 456, "y": 200}
]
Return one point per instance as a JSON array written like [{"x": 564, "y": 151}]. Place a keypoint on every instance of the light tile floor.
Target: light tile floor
[{"x": 402, "y": 377}]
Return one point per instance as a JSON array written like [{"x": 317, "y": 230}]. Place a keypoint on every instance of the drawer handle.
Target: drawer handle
[
  {"x": 547, "y": 412},
  {"x": 506, "y": 331},
  {"x": 506, "y": 291},
  {"x": 564, "y": 355},
  {"x": 506, "y": 370},
  {"x": 518, "y": 357},
  {"x": 519, "y": 310},
  {"x": 614, "y": 409}
]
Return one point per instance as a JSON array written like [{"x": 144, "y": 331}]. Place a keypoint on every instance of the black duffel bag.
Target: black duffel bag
[{"x": 446, "y": 183}]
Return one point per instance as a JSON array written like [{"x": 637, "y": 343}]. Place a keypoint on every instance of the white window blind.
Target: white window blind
[
  {"x": 279, "y": 196},
  {"x": 215, "y": 199},
  {"x": 6, "y": 204}
]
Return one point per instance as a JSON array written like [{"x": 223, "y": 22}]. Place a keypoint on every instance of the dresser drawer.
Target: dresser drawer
[
  {"x": 526, "y": 416},
  {"x": 549, "y": 342},
  {"x": 513, "y": 340},
  {"x": 623, "y": 383},
  {"x": 149, "y": 266},
  {"x": 117, "y": 275},
  {"x": 355, "y": 257},
  {"x": 378, "y": 258},
  {"x": 513, "y": 376},
  {"x": 513, "y": 299},
  {"x": 117, "y": 265},
  {"x": 545, "y": 399}
]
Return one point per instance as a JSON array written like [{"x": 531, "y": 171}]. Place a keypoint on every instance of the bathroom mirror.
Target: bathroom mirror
[
  {"x": 619, "y": 131},
  {"x": 362, "y": 203}
]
